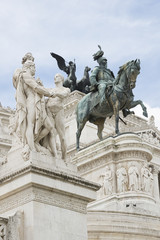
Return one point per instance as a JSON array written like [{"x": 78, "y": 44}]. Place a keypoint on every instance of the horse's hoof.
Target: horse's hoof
[
  {"x": 100, "y": 137},
  {"x": 145, "y": 114}
]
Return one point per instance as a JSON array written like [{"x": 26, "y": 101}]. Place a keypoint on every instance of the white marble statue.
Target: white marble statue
[
  {"x": 30, "y": 107},
  {"x": 133, "y": 176},
  {"x": 151, "y": 121},
  {"x": 55, "y": 111},
  {"x": 147, "y": 179},
  {"x": 107, "y": 181},
  {"x": 151, "y": 180},
  {"x": 38, "y": 117},
  {"x": 121, "y": 179}
]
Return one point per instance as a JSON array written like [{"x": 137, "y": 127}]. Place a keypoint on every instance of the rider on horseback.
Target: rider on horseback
[{"x": 101, "y": 77}]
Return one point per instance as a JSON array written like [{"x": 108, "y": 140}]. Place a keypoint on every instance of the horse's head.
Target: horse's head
[
  {"x": 132, "y": 70},
  {"x": 87, "y": 69}
]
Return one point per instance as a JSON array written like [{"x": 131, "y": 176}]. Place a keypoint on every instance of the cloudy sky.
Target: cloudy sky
[{"x": 126, "y": 30}]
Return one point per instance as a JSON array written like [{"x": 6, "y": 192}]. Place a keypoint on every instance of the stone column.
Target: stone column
[
  {"x": 114, "y": 178},
  {"x": 156, "y": 184}
]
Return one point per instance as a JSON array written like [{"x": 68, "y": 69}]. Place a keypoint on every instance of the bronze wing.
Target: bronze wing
[{"x": 60, "y": 62}]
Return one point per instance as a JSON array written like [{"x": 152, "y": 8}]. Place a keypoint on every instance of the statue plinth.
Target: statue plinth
[
  {"x": 52, "y": 197},
  {"x": 129, "y": 188},
  {"x": 19, "y": 157}
]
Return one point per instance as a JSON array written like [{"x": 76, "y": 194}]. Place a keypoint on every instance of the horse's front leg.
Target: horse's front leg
[
  {"x": 80, "y": 126},
  {"x": 117, "y": 123},
  {"x": 116, "y": 114},
  {"x": 139, "y": 102}
]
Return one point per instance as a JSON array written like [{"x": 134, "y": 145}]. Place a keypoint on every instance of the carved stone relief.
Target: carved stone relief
[
  {"x": 147, "y": 179},
  {"x": 150, "y": 137},
  {"x": 131, "y": 176},
  {"x": 15, "y": 227},
  {"x": 122, "y": 180},
  {"x": 2, "y": 231},
  {"x": 107, "y": 185}
]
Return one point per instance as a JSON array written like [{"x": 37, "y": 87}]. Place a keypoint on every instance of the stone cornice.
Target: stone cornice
[
  {"x": 52, "y": 174},
  {"x": 113, "y": 149}
]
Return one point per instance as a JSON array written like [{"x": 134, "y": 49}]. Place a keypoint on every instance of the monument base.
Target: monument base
[
  {"x": 52, "y": 198},
  {"x": 128, "y": 204},
  {"x": 119, "y": 226}
]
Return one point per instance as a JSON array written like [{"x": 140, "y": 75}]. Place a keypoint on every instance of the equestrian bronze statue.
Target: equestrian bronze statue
[{"x": 108, "y": 96}]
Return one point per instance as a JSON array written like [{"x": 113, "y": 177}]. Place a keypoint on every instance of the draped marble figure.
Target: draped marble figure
[{"x": 32, "y": 123}]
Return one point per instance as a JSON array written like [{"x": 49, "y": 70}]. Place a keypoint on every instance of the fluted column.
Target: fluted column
[{"x": 156, "y": 192}]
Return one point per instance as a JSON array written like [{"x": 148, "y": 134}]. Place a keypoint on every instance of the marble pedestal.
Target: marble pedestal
[
  {"x": 128, "y": 203},
  {"x": 48, "y": 193}
]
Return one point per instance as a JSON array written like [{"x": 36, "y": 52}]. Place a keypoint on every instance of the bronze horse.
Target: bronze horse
[
  {"x": 70, "y": 81},
  {"x": 84, "y": 84},
  {"x": 120, "y": 98}
]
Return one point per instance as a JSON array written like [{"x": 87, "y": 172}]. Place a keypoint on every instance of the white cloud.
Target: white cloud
[
  {"x": 125, "y": 29},
  {"x": 155, "y": 111}
]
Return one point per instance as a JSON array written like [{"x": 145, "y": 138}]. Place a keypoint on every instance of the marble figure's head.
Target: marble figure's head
[
  {"x": 27, "y": 57},
  {"x": 31, "y": 66},
  {"x": 58, "y": 78}
]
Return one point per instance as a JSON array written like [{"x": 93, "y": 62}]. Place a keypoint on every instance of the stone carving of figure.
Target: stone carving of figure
[
  {"x": 121, "y": 179},
  {"x": 30, "y": 105},
  {"x": 133, "y": 178},
  {"x": 156, "y": 141},
  {"x": 151, "y": 180},
  {"x": 147, "y": 179},
  {"x": 107, "y": 181},
  {"x": 146, "y": 136},
  {"x": 151, "y": 121},
  {"x": 151, "y": 139},
  {"x": 27, "y": 57},
  {"x": 55, "y": 111}
]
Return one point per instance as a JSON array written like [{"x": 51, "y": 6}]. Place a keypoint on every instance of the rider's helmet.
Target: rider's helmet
[
  {"x": 99, "y": 56},
  {"x": 99, "y": 60}
]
